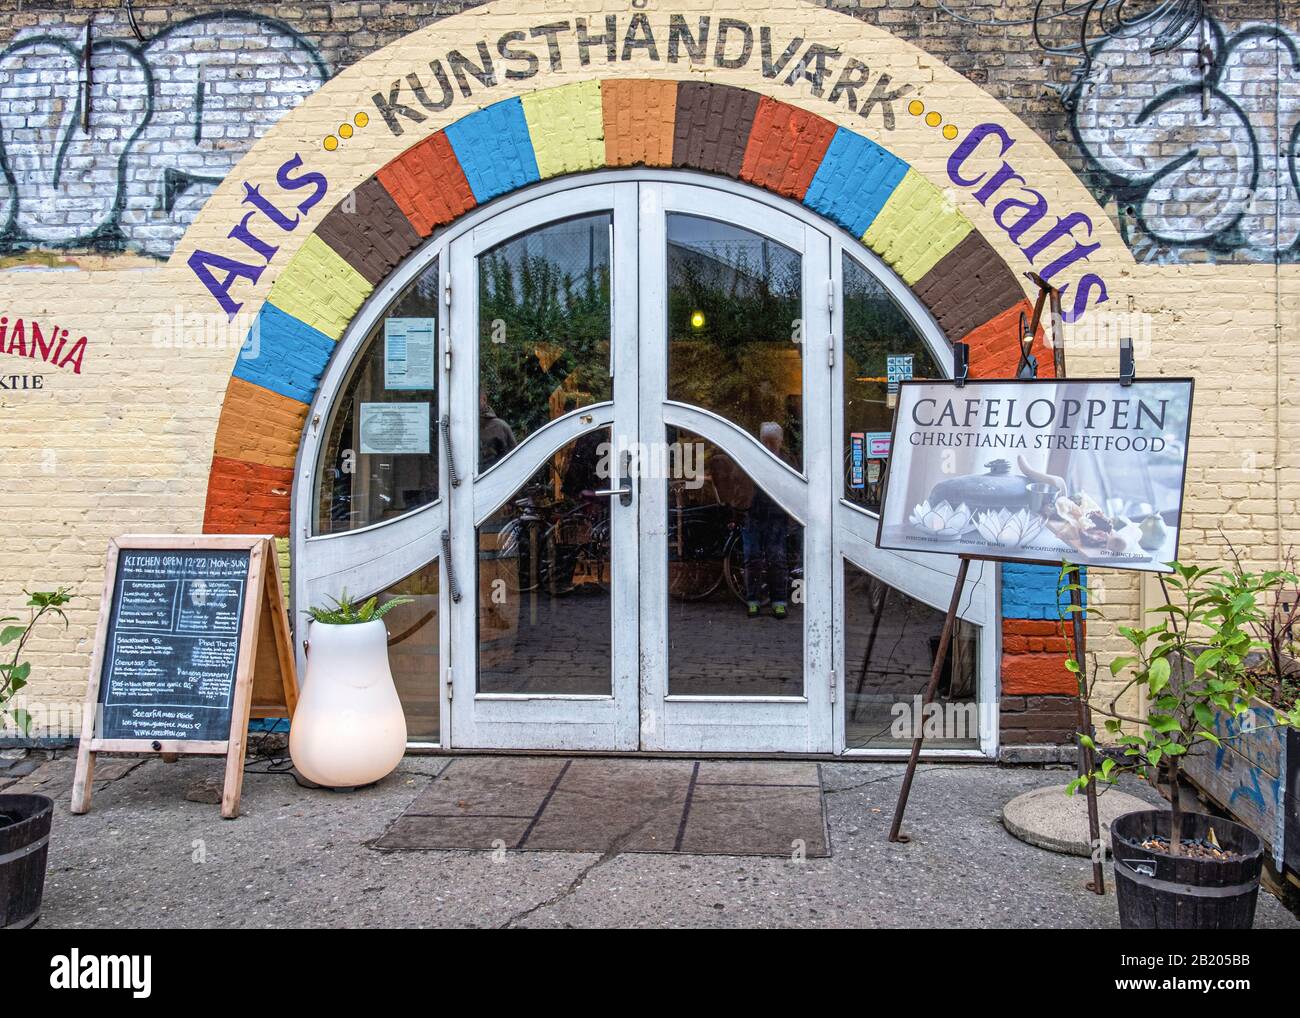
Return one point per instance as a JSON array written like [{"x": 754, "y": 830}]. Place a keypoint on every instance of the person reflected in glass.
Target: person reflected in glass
[
  {"x": 495, "y": 436},
  {"x": 765, "y": 532}
]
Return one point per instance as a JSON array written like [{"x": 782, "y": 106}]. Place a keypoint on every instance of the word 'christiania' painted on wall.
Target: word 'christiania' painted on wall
[
  {"x": 21, "y": 338},
  {"x": 253, "y": 230},
  {"x": 566, "y": 44}
]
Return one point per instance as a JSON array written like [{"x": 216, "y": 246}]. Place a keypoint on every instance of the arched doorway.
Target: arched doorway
[{"x": 601, "y": 432}]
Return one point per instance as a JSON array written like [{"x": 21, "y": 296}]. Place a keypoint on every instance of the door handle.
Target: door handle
[
  {"x": 624, "y": 489},
  {"x": 451, "y": 570},
  {"x": 445, "y": 427}
]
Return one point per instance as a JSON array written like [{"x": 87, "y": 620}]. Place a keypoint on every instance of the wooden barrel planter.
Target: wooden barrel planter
[
  {"x": 1157, "y": 891},
  {"x": 24, "y": 846}
]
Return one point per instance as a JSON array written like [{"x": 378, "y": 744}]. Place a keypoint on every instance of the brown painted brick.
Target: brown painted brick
[
  {"x": 369, "y": 231},
  {"x": 968, "y": 286},
  {"x": 712, "y": 127}
]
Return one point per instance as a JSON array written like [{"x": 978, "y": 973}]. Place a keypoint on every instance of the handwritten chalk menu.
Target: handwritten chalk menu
[
  {"x": 173, "y": 644},
  {"x": 192, "y": 641}
]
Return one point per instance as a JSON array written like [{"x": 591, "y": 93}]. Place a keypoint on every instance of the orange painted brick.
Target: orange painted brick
[
  {"x": 639, "y": 117},
  {"x": 428, "y": 184},
  {"x": 786, "y": 146},
  {"x": 995, "y": 345},
  {"x": 259, "y": 426},
  {"x": 1026, "y": 674},
  {"x": 247, "y": 498}
]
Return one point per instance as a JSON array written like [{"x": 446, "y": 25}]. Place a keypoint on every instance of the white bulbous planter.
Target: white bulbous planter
[{"x": 348, "y": 729}]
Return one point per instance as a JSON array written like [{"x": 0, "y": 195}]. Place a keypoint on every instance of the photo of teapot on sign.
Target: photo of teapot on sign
[{"x": 1074, "y": 471}]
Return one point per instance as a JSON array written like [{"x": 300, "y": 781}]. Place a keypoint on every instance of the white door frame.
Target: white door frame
[
  {"x": 372, "y": 558},
  {"x": 775, "y": 724},
  {"x": 529, "y": 720}
]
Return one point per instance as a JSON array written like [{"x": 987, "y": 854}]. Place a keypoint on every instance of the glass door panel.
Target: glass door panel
[
  {"x": 890, "y": 641},
  {"x": 735, "y": 326},
  {"x": 544, "y": 532},
  {"x": 413, "y": 644},
  {"x": 876, "y": 330},
  {"x": 544, "y": 329},
  {"x": 380, "y": 458},
  {"x": 735, "y": 551},
  {"x": 735, "y": 588},
  {"x": 545, "y": 578}
]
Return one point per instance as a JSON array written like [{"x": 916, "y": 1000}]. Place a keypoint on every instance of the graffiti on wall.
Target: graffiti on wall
[
  {"x": 167, "y": 120},
  {"x": 1199, "y": 151}
]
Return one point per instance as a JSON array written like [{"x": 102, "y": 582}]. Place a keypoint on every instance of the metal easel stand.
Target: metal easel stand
[{"x": 1027, "y": 368}]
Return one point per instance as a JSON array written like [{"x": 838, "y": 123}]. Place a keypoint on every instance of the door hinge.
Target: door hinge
[
  {"x": 830, "y": 350},
  {"x": 830, "y": 296},
  {"x": 834, "y": 679},
  {"x": 450, "y": 687}
]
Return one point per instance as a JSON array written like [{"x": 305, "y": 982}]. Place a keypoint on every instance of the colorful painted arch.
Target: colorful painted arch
[{"x": 590, "y": 125}]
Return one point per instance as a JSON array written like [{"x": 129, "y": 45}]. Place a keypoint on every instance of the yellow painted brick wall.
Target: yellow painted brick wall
[{"x": 125, "y": 446}]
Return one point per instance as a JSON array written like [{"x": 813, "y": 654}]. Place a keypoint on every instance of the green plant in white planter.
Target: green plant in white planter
[
  {"x": 1191, "y": 664},
  {"x": 24, "y": 819},
  {"x": 349, "y": 728}
]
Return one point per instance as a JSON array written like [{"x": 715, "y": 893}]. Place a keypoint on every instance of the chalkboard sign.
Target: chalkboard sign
[
  {"x": 193, "y": 640},
  {"x": 173, "y": 644}
]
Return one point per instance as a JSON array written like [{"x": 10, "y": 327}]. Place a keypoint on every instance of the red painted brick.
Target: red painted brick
[
  {"x": 1024, "y": 674},
  {"x": 246, "y": 498},
  {"x": 786, "y": 145},
  {"x": 427, "y": 184}
]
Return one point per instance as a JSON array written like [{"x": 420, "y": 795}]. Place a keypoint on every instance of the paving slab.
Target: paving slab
[
  {"x": 1050, "y": 818},
  {"x": 594, "y": 805}
]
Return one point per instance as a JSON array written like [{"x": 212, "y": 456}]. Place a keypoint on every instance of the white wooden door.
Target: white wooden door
[
  {"x": 543, "y": 547},
  {"x": 735, "y": 341}
]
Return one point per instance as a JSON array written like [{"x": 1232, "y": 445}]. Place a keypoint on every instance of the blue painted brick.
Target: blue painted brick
[
  {"x": 494, "y": 149},
  {"x": 1029, "y": 592},
  {"x": 854, "y": 181},
  {"x": 290, "y": 355}
]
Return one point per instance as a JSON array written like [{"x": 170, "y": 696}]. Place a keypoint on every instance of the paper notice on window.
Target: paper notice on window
[
  {"x": 409, "y": 352},
  {"x": 394, "y": 428}
]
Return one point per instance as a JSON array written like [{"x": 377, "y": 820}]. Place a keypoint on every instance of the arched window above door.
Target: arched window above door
[
  {"x": 876, "y": 330},
  {"x": 380, "y": 457}
]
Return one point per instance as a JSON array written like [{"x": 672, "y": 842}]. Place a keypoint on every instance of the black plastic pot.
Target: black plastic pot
[
  {"x": 24, "y": 846},
  {"x": 1157, "y": 891}
]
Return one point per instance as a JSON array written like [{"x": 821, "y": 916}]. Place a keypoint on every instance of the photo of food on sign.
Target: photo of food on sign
[{"x": 1089, "y": 472}]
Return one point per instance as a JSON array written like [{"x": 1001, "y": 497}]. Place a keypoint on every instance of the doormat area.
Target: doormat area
[{"x": 554, "y": 804}]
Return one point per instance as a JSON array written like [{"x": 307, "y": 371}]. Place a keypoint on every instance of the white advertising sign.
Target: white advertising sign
[
  {"x": 409, "y": 352},
  {"x": 1084, "y": 471},
  {"x": 389, "y": 428}
]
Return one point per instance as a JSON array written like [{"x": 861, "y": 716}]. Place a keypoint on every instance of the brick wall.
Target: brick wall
[
  {"x": 222, "y": 74},
  {"x": 121, "y": 452}
]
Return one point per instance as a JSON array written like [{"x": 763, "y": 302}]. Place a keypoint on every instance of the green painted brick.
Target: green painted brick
[
  {"x": 319, "y": 288},
  {"x": 916, "y": 227},
  {"x": 567, "y": 128}
]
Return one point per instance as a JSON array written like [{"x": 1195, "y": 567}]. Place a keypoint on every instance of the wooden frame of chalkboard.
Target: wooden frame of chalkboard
[{"x": 214, "y": 605}]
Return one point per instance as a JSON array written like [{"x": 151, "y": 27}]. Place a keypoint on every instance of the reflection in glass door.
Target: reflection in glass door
[
  {"x": 735, "y": 549},
  {"x": 544, "y": 525}
]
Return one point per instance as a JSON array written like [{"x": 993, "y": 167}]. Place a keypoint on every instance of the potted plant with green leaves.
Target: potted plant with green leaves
[
  {"x": 1176, "y": 869},
  {"x": 348, "y": 729},
  {"x": 24, "y": 819}
]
